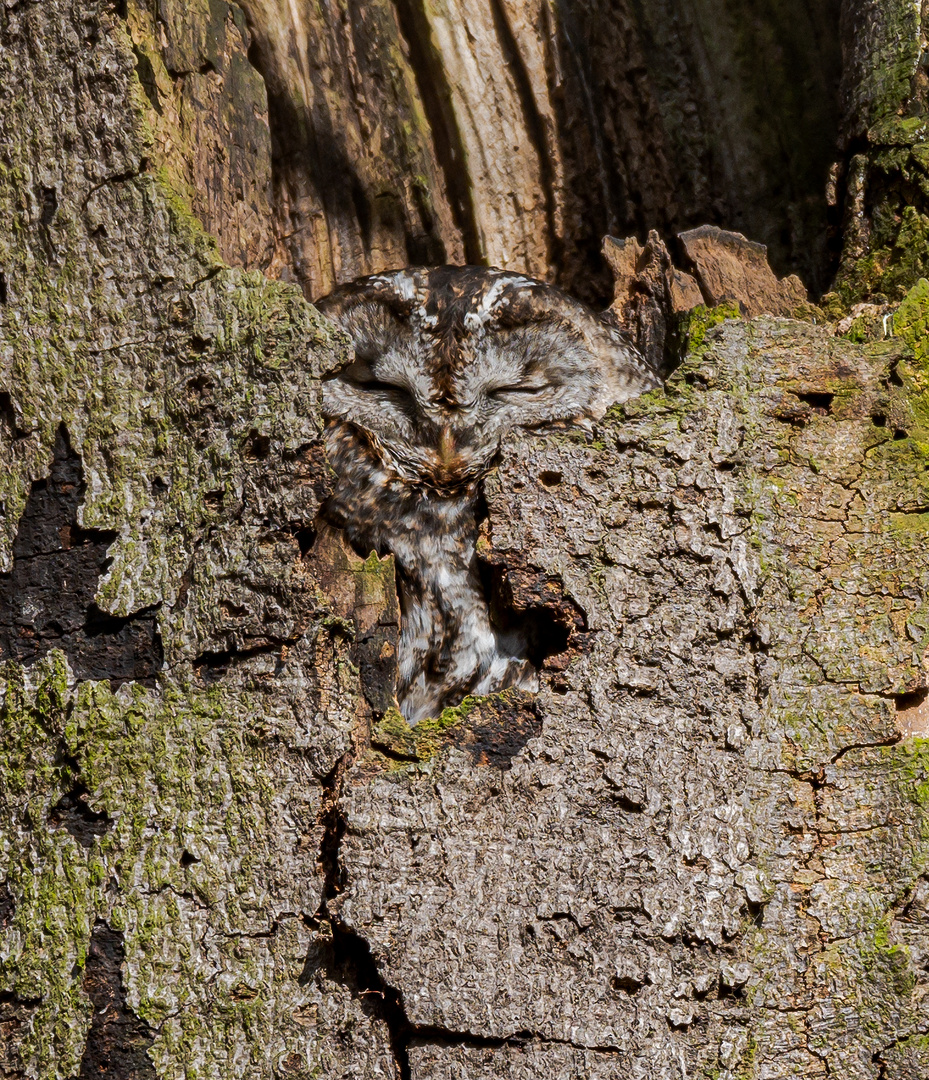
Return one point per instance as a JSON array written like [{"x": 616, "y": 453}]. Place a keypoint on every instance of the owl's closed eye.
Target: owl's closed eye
[{"x": 447, "y": 361}]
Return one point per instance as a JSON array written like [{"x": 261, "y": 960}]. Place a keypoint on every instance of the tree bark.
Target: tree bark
[
  {"x": 367, "y": 137},
  {"x": 519, "y": 134},
  {"x": 700, "y": 850},
  {"x": 883, "y": 172}
]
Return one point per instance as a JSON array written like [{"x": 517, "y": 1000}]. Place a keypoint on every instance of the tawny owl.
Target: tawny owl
[{"x": 447, "y": 361}]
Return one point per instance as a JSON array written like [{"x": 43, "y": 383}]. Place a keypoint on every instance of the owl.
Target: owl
[{"x": 448, "y": 361}]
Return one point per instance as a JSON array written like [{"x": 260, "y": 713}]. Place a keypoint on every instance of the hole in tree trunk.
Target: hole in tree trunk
[
  {"x": 663, "y": 115},
  {"x": 47, "y": 599}
]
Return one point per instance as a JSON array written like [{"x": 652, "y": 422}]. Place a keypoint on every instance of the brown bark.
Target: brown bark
[{"x": 519, "y": 134}]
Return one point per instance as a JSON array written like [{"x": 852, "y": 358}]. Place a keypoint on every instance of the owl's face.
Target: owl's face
[{"x": 448, "y": 361}]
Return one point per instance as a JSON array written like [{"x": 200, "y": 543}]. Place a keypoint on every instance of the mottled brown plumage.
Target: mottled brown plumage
[{"x": 447, "y": 362}]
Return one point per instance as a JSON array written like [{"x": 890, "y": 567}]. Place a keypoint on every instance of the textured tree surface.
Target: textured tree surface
[
  {"x": 882, "y": 180},
  {"x": 519, "y": 132},
  {"x": 700, "y": 850}
]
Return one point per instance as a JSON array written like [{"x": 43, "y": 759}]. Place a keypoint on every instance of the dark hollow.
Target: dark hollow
[
  {"x": 117, "y": 1041},
  {"x": 47, "y": 599},
  {"x": 72, "y": 813},
  {"x": 912, "y": 700}
]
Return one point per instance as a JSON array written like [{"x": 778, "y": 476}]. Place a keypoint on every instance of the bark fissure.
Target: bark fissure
[
  {"x": 47, "y": 598},
  {"x": 118, "y": 1040},
  {"x": 344, "y": 954},
  {"x": 535, "y": 127},
  {"x": 432, "y": 81}
]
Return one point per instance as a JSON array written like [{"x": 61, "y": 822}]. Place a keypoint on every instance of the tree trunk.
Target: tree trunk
[{"x": 700, "y": 850}]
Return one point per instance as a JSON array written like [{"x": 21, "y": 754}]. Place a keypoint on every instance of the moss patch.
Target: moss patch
[
  {"x": 911, "y": 321},
  {"x": 192, "y": 791},
  {"x": 424, "y": 740},
  {"x": 701, "y": 319},
  {"x": 491, "y": 729}
]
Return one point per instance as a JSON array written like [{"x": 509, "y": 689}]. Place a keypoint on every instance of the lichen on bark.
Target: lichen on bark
[
  {"x": 884, "y": 136},
  {"x": 187, "y": 391}
]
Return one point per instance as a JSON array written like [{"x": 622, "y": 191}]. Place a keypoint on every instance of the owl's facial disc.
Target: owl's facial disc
[
  {"x": 448, "y": 362},
  {"x": 429, "y": 426},
  {"x": 443, "y": 425}
]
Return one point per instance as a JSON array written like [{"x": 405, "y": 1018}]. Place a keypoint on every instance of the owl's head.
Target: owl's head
[{"x": 447, "y": 361}]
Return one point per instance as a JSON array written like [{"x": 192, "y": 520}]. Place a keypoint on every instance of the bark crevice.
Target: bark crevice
[{"x": 118, "y": 1040}]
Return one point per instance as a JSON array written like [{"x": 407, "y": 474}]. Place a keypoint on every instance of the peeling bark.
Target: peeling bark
[{"x": 117, "y": 1040}]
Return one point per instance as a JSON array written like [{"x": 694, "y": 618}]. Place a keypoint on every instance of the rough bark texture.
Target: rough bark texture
[
  {"x": 699, "y": 851},
  {"x": 711, "y": 857},
  {"x": 882, "y": 179},
  {"x": 515, "y": 133}
]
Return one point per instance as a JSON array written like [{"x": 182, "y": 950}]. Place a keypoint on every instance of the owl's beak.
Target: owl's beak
[
  {"x": 447, "y": 448},
  {"x": 448, "y": 460}
]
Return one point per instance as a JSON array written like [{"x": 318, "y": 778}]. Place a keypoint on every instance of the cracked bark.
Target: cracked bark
[
  {"x": 398, "y": 132},
  {"x": 700, "y": 849}
]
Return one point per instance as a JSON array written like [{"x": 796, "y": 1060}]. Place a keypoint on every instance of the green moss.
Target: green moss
[
  {"x": 911, "y": 321},
  {"x": 394, "y": 733},
  {"x": 917, "y": 524},
  {"x": 421, "y": 742},
  {"x": 702, "y": 319},
  {"x": 746, "y": 1067},
  {"x": 898, "y": 252},
  {"x": 898, "y": 130},
  {"x": 895, "y": 165},
  {"x": 867, "y": 327},
  {"x": 430, "y": 734},
  {"x": 914, "y": 1046},
  {"x": 888, "y": 962},
  {"x": 185, "y": 771},
  {"x": 183, "y": 220},
  {"x": 895, "y": 51},
  {"x": 909, "y": 254},
  {"x": 908, "y": 764}
]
